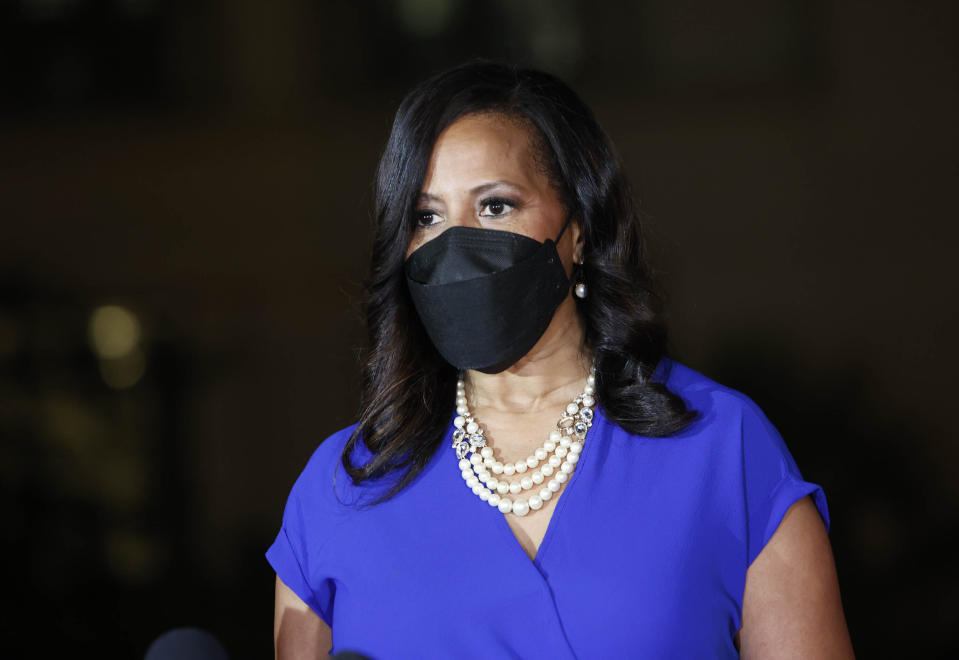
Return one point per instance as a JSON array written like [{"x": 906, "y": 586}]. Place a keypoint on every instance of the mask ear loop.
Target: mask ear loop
[{"x": 563, "y": 230}]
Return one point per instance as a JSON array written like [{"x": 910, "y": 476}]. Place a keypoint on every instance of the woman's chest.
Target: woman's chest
[
  {"x": 530, "y": 530},
  {"x": 628, "y": 563},
  {"x": 613, "y": 581}
]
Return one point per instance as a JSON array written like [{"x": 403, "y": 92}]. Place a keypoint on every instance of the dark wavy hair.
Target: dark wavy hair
[{"x": 407, "y": 387}]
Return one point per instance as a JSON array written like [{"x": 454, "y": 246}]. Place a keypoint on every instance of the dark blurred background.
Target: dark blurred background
[{"x": 184, "y": 216}]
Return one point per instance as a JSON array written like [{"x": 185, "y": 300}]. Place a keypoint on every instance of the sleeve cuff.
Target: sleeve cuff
[
  {"x": 789, "y": 491},
  {"x": 288, "y": 569}
]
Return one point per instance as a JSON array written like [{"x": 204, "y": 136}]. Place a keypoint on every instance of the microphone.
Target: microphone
[{"x": 186, "y": 644}]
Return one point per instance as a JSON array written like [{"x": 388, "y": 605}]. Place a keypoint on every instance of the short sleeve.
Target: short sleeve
[
  {"x": 772, "y": 480},
  {"x": 300, "y": 554},
  {"x": 284, "y": 558}
]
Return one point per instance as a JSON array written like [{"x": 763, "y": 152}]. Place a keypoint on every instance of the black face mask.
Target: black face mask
[{"x": 486, "y": 296}]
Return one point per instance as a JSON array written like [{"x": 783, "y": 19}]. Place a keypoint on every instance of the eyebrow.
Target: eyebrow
[{"x": 477, "y": 190}]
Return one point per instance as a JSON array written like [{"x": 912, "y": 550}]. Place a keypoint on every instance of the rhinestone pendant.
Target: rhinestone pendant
[{"x": 462, "y": 449}]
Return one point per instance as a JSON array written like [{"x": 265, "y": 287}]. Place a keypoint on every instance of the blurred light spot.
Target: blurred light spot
[
  {"x": 92, "y": 458},
  {"x": 130, "y": 557},
  {"x": 74, "y": 427},
  {"x": 123, "y": 372},
  {"x": 114, "y": 331},
  {"x": 425, "y": 18},
  {"x": 121, "y": 477}
]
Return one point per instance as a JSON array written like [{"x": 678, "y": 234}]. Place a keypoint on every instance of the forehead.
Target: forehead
[{"x": 482, "y": 146}]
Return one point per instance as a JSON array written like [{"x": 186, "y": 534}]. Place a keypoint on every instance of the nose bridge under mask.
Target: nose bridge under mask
[{"x": 463, "y": 253}]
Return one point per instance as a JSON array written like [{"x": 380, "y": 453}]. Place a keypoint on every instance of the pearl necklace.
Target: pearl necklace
[{"x": 560, "y": 453}]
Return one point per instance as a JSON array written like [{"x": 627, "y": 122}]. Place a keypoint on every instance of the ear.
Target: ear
[{"x": 579, "y": 240}]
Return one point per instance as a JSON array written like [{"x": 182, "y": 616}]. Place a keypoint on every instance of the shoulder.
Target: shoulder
[
  {"x": 735, "y": 435},
  {"x": 326, "y": 456},
  {"x": 715, "y": 402},
  {"x": 745, "y": 446},
  {"x": 729, "y": 434},
  {"x": 323, "y": 478},
  {"x": 732, "y": 415}
]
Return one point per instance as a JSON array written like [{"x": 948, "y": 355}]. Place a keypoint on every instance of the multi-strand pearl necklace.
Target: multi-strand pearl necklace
[{"x": 484, "y": 474}]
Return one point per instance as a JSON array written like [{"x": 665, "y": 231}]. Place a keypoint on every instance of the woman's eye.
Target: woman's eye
[
  {"x": 496, "y": 207},
  {"x": 425, "y": 218}
]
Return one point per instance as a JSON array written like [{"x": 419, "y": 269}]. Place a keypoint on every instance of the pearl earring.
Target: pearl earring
[{"x": 580, "y": 289}]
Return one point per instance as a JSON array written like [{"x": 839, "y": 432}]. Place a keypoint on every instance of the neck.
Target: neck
[{"x": 552, "y": 373}]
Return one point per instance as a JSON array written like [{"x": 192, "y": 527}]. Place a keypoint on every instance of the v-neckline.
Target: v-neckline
[{"x": 563, "y": 500}]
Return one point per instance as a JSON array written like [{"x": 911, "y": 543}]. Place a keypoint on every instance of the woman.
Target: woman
[{"x": 531, "y": 476}]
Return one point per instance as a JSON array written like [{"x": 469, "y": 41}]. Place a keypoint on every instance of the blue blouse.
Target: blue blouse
[{"x": 645, "y": 555}]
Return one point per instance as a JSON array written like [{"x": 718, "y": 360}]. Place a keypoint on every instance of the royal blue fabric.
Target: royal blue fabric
[{"x": 645, "y": 555}]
